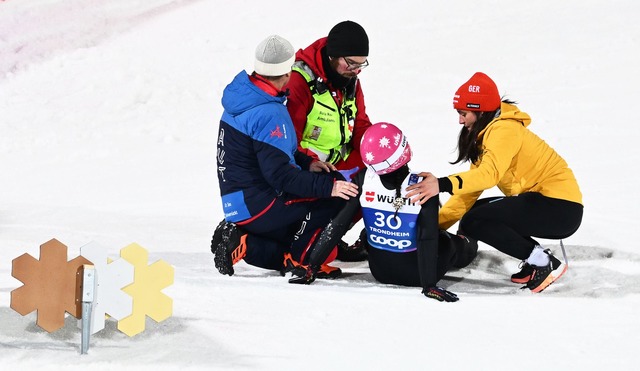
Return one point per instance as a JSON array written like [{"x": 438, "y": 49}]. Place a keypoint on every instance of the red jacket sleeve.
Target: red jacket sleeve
[{"x": 362, "y": 121}]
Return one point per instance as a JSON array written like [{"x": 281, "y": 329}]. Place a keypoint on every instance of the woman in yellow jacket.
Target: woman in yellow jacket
[{"x": 542, "y": 195}]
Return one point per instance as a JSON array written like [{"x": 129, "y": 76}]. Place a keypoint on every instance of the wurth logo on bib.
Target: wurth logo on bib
[{"x": 369, "y": 196}]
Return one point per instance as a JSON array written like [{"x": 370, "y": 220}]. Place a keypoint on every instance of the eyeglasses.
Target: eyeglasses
[{"x": 352, "y": 66}]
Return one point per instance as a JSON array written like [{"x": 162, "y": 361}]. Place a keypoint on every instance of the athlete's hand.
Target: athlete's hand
[
  {"x": 318, "y": 166},
  {"x": 344, "y": 189},
  {"x": 424, "y": 190}
]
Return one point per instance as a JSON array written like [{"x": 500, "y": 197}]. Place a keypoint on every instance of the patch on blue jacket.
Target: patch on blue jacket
[{"x": 235, "y": 210}]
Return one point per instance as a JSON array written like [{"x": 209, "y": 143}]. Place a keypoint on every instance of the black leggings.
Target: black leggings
[
  {"x": 509, "y": 223},
  {"x": 403, "y": 268}
]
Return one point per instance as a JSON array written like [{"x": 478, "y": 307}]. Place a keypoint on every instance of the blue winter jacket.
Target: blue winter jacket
[{"x": 257, "y": 156}]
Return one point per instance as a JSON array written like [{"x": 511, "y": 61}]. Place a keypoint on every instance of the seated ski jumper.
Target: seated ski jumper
[{"x": 404, "y": 243}]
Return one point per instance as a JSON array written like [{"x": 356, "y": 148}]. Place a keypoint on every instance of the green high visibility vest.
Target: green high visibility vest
[{"x": 329, "y": 128}]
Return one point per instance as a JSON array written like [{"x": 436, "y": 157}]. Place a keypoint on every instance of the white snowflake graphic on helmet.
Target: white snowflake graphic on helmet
[
  {"x": 384, "y": 142},
  {"x": 369, "y": 157}
]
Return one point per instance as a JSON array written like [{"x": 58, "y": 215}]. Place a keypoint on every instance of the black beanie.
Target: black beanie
[{"x": 347, "y": 39}]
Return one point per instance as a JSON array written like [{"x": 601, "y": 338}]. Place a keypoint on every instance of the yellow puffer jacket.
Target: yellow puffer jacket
[{"x": 514, "y": 159}]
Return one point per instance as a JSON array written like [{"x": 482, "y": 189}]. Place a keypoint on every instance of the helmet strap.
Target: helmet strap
[{"x": 394, "y": 180}]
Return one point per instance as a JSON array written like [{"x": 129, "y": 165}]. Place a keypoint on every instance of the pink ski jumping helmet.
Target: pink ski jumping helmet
[{"x": 384, "y": 149}]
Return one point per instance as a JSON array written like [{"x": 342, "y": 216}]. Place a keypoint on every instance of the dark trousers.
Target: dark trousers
[
  {"x": 402, "y": 268},
  {"x": 510, "y": 223},
  {"x": 290, "y": 225}
]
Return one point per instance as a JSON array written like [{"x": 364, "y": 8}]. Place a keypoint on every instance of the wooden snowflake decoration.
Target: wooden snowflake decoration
[
  {"x": 51, "y": 285},
  {"x": 149, "y": 280},
  {"x": 111, "y": 277}
]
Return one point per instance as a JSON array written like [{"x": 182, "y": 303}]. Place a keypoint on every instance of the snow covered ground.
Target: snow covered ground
[{"x": 108, "y": 118}]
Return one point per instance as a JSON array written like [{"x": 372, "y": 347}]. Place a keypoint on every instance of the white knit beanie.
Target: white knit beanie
[{"x": 274, "y": 56}]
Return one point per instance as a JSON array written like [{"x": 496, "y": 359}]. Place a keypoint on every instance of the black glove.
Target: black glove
[
  {"x": 303, "y": 275},
  {"x": 440, "y": 294}
]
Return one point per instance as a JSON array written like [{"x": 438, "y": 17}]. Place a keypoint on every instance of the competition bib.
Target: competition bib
[{"x": 387, "y": 229}]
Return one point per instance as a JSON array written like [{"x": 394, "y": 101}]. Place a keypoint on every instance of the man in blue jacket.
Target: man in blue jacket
[{"x": 275, "y": 199}]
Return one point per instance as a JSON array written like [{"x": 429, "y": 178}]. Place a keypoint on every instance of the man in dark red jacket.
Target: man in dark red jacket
[{"x": 326, "y": 102}]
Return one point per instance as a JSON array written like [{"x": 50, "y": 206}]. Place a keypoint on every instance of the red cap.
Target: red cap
[{"x": 480, "y": 93}]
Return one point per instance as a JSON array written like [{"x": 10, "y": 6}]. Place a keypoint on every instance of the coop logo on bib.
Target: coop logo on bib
[{"x": 400, "y": 244}]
